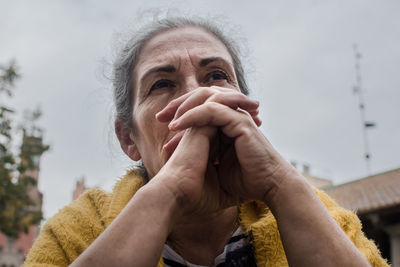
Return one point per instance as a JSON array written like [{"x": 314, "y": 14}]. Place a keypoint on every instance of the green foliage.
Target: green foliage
[
  {"x": 20, "y": 202},
  {"x": 8, "y": 76}
]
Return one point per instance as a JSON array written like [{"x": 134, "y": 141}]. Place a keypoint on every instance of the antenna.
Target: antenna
[{"x": 357, "y": 90}]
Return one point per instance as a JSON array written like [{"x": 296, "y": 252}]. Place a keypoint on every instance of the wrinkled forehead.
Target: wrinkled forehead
[{"x": 174, "y": 45}]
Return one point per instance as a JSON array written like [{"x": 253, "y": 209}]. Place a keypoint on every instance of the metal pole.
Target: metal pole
[{"x": 357, "y": 89}]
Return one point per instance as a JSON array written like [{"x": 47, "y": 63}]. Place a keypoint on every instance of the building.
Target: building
[
  {"x": 13, "y": 252},
  {"x": 376, "y": 200},
  {"x": 80, "y": 187}
]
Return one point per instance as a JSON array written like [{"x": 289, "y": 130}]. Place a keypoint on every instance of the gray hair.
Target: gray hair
[{"x": 127, "y": 59}]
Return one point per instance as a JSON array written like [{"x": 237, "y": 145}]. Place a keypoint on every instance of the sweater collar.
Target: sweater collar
[{"x": 255, "y": 217}]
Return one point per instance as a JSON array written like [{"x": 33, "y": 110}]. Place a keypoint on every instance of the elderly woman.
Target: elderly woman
[{"x": 215, "y": 192}]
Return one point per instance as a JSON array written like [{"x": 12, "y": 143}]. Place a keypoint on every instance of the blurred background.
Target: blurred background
[{"x": 307, "y": 62}]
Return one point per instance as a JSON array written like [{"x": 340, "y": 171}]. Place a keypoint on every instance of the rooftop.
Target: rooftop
[{"x": 368, "y": 194}]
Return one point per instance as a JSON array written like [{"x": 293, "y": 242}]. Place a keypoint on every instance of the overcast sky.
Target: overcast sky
[{"x": 299, "y": 61}]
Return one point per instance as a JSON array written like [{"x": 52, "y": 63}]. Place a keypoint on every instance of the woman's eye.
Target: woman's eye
[
  {"x": 217, "y": 76},
  {"x": 161, "y": 84}
]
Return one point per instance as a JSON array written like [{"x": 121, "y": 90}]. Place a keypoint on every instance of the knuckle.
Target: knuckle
[
  {"x": 241, "y": 96},
  {"x": 217, "y": 97},
  {"x": 247, "y": 120},
  {"x": 212, "y": 107},
  {"x": 206, "y": 90},
  {"x": 219, "y": 90},
  {"x": 245, "y": 128},
  {"x": 203, "y": 92}
]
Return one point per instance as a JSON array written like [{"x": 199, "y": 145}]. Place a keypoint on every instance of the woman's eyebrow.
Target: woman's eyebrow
[
  {"x": 165, "y": 68},
  {"x": 204, "y": 62},
  {"x": 170, "y": 68}
]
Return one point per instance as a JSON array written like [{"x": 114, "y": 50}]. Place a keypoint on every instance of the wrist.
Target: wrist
[
  {"x": 160, "y": 200},
  {"x": 175, "y": 186},
  {"x": 286, "y": 185}
]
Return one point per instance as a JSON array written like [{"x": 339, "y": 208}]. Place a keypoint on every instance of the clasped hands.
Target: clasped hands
[{"x": 219, "y": 157}]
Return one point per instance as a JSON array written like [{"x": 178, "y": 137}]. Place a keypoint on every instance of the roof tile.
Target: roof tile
[{"x": 374, "y": 192}]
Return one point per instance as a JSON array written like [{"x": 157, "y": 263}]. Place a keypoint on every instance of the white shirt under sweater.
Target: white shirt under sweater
[{"x": 173, "y": 259}]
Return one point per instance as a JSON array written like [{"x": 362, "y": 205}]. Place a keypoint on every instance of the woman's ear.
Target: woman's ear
[{"x": 126, "y": 140}]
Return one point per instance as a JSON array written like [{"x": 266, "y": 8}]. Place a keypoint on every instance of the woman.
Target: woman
[{"x": 215, "y": 190}]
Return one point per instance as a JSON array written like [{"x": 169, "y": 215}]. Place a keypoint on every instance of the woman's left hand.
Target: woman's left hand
[{"x": 246, "y": 163}]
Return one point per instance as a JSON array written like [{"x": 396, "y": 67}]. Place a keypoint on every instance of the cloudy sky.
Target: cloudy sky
[{"x": 300, "y": 65}]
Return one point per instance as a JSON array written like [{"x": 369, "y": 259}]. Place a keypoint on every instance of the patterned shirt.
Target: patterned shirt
[{"x": 237, "y": 252}]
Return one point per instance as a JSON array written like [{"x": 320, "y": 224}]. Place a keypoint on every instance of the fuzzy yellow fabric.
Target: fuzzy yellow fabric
[{"x": 66, "y": 235}]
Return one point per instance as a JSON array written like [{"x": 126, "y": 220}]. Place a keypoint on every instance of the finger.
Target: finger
[
  {"x": 232, "y": 122},
  {"x": 231, "y": 99},
  {"x": 254, "y": 115},
  {"x": 171, "y": 145},
  {"x": 253, "y": 112},
  {"x": 257, "y": 120},
  {"x": 168, "y": 113}
]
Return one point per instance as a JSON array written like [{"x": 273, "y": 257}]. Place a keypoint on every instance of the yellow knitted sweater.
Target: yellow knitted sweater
[{"x": 66, "y": 235}]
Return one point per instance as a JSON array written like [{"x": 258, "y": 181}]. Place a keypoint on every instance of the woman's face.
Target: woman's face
[{"x": 171, "y": 64}]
